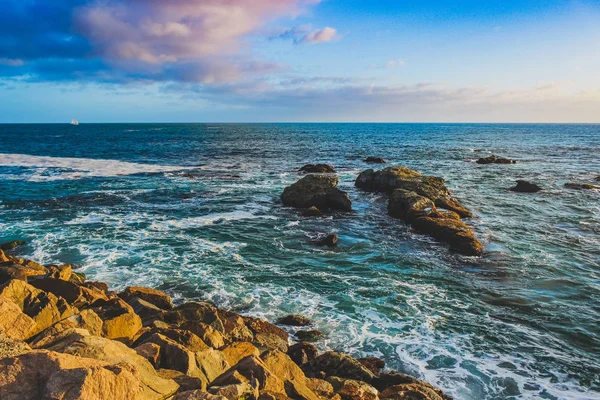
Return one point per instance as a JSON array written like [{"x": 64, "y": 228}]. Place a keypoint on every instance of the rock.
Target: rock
[
  {"x": 408, "y": 206},
  {"x": 293, "y": 320},
  {"x": 309, "y": 336},
  {"x": 234, "y": 327},
  {"x": 96, "y": 285},
  {"x": 86, "y": 319},
  {"x": 320, "y": 387},
  {"x": 197, "y": 395},
  {"x": 316, "y": 190},
  {"x": 317, "y": 168},
  {"x": 495, "y": 160},
  {"x": 394, "y": 379},
  {"x": 111, "y": 351},
  {"x": 410, "y": 391},
  {"x": 332, "y": 363},
  {"x": 374, "y": 160},
  {"x": 185, "y": 338},
  {"x": 184, "y": 381},
  {"x": 151, "y": 352},
  {"x": 195, "y": 311},
  {"x": 597, "y": 178},
  {"x": 239, "y": 350},
  {"x": 156, "y": 297},
  {"x": 207, "y": 333},
  {"x": 62, "y": 272},
  {"x": 302, "y": 352},
  {"x": 120, "y": 321},
  {"x": 212, "y": 363},
  {"x": 77, "y": 278},
  {"x": 282, "y": 366},
  {"x": 147, "y": 311},
  {"x": 312, "y": 212},
  {"x": 373, "y": 364},
  {"x": 387, "y": 179},
  {"x": 456, "y": 233},
  {"x": 14, "y": 323},
  {"x": 10, "y": 347},
  {"x": 581, "y": 186},
  {"x": 246, "y": 390},
  {"x": 44, "y": 308},
  {"x": 350, "y": 389},
  {"x": 11, "y": 245},
  {"x": 246, "y": 370},
  {"x": 260, "y": 326},
  {"x": 76, "y": 295},
  {"x": 525, "y": 187},
  {"x": 267, "y": 341},
  {"x": 329, "y": 240},
  {"x": 12, "y": 269}
]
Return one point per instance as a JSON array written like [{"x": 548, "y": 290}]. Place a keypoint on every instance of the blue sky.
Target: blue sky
[{"x": 299, "y": 60}]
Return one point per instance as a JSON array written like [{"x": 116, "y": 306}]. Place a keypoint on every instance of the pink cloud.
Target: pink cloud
[{"x": 324, "y": 35}]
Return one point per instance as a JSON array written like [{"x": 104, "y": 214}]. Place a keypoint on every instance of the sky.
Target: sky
[{"x": 299, "y": 60}]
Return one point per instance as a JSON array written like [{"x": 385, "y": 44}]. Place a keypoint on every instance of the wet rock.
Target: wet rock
[
  {"x": 373, "y": 364},
  {"x": 350, "y": 389},
  {"x": 11, "y": 245},
  {"x": 316, "y": 190},
  {"x": 332, "y": 363},
  {"x": 13, "y": 322},
  {"x": 312, "y": 212},
  {"x": 581, "y": 186},
  {"x": 317, "y": 169},
  {"x": 456, "y": 233},
  {"x": 302, "y": 352},
  {"x": 293, "y": 320},
  {"x": 329, "y": 240},
  {"x": 525, "y": 187},
  {"x": 156, "y": 297},
  {"x": 120, "y": 321},
  {"x": 408, "y": 206},
  {"x": 239, "y": 350},
  {"x": 309, "y": 336},
  {"x": 374, "y": 160},
  {"x": 493, "y": 159}
]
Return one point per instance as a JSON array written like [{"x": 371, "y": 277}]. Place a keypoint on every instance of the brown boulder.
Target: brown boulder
[
  {"x": 374, "y": 160},
  {"x": 246, "y": 370},
  {"x": 293, "y": 320},
  {"x": 184, "y": 381},
  {"x": 14, "y": 323},
  {"x": 373, "y": 364},
  {"x": 76, "y": 295},
  {"x": 11, "y": 245},
  {"x": 207, "y": 333},
  {"x": 86, "y": 319},
  {"x": 350, "y": 389},
  {"x": 195, "y": 311},
  {"x": 151, "y": 352},
  {"x": 312, "y": 335},
  {"x": 120, "y": 321},
  {"x": 341, "y": 365},
  {"x": 246, "y": 390},
  {"x": 456, "y": 233},
  {"x": 525, "y": 187},
  {"x": 234, "y": 327},
  {"x": 408, "y": 206},
  {"x": 239, "y": 350},
  {"x": 409, "y": 391},
  {"x": 156, "y": 297},
  {"x": 62, "y": 272},
  {"x": 302, "y": 352},
  {"x": 395, "y": 379},
  {"x": 493, "y": 159},
  {"x": 212, "y": 363},
  {"x": 316, "y": 190},
  {"x": 317, "y": 169},
  {"x": 581, "y": 186}
]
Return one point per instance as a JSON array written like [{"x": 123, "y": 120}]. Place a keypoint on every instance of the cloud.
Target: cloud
[
  {"x": 324, "y": 35},
  {"x": 395, "y": 63},
  {"x": 200, "y": 40},
  {"x": 306, "y": 34}
]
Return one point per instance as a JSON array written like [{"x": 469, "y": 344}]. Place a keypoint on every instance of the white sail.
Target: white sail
[{"x": 74, "y": 122}]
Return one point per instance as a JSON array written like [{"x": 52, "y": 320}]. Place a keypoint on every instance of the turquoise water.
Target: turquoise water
[{"x": 194, "y": 210}]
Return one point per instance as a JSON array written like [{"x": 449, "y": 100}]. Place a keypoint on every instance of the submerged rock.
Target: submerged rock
[
  {"x": 581, "y": 186},
  {"x": 374, "y": 160},
  {"x": 317, "y": 169},
  {"x": 309, "y": 336},
  {"x": 316, "y": 190},
  {"x": 525, "y": 187},
  {"x": 493, "y": 159},
  {"x": 329, "y": 240}
]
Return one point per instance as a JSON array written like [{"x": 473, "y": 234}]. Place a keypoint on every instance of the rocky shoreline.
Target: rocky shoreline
[{"x": 65, "y": 337}]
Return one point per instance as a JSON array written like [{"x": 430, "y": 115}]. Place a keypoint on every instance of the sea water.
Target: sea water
[{"x": 194, "y": 209}]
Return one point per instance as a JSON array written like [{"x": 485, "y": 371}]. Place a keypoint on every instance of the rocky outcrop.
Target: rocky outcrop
[
  {"x": 493, "y": 159},
  {"x": 317, "y": 169},
  {"x": 11, "y": 245},
  {"x": 156, "y": 297},
  {"x": 415, "y": 199},
  {"x": 525, "y": 187},
  {"x": 375, "y": 160},
  {"x": 318, "y": 191},
  {"x": 329, "y": 240},
  {"x": 581, "y": 186}
]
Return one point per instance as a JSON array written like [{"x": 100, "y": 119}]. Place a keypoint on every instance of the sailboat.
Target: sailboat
[{"x": 74, "y": 122}]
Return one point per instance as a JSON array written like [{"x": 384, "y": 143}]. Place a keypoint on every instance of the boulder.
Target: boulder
[
  {"x": 332, "y": 363},
  {"x": 246, "y": 390},
  {"x": 10, "y": 347},
  {"x": 408, "y": 206},
  {"x": 373, "y": 364},
  {"x": 11, "y": 245},
  {"x": 581, "y": 186},
  {"x": 147, "y": 311},
  {"x": 525, "y": 187},
  {"x": 317, "y": 169},
  {"x": 197, "y": 395},
  {"x": 493, "y": 159},
  {"x": 120, "y": 321},
  {"x": 387, "y": 380},
  {"x": 350, "y": 389},
  {"x": 309, "y": 336},
  {"x": 320, "y": 387},
  {"x": 374, "y": 160},
  {"x": 239, "y": 350},
  {"x": 76, "y": 295},
  {"x": 260, "y": 326},
  {"x": 184, "y": 381},
  {"x": 234, "y": 327},
  {"x": 312, "y": 212},
  {"x": 195, "y": 311},
  {"x": 316, "y": 190},
  {"x": 410, "y": 391},
  {"x": 11, "y": 269},
  {"x": 151, "y": 352},
  {"x": 293, "y": 320},
  {"x": 302, "y": 352},
  {"x": 456, "y": 233},
  {"x": 329, "y": 240},
  {"x": 62, "y": 272},
  {"x": 207, "y": 333},
  {"x": 156, "y": 297},
  {"x": 387, "y": 179},
  {"x": 111, "y": 351},
  {"x": 14, "y": 323},
  {"x": 86, "y": 319},
  {"x": 212, "y": 363},
  {"x": 246, "y": 370}
]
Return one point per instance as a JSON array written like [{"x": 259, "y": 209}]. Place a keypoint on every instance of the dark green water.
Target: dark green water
[{"x": 194, "y": 210}]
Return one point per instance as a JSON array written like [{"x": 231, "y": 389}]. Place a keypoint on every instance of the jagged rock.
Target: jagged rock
[
  {"x": 264, "y": 395},
  {"x": 394, "y": 379},
  {"x": 350, "y": 389},
  {"x": 62, "y": 272},
  {"x": 208, "y": 334},
  {"x": 246, "y": 390},
  {"x": 261, "y": 327},
  {"x": 373, "y": 364},
  {"x": 76, "y": 295},
  {"x": 78, "y": 278},
  {"x": 13, "y": 322},
  {"x": 18, "y": 268},
  {"x": 102, "y": 349},
  {"x": 246, "y": 370},
  {"x": 302, "y": 352},
  {"x": 329, "y": 240},
  {"x": 212, "y": 363},
  {"x": 493, "y": 159},
  {"x": 86, "y": 319},
  {"x": 103, "y": 287},
  {"x": 312, "y": 212},
  {"x": 156, "y": 297},
  {"x": 11, "y": 245},
  {"x": 197, "y": 395},
  {"x": 410, "y": 391},
  {"x": 120, "y": 321},
  {"x": 282, "y": 366},
  {"x": 147, "y": 311},
  {"x": 293, "y": 320},
  {"x": 581, "y": 186},
  {"x": 239, "y": 350},
  {"x": 456, "y": 233},
  {"x": 309, "y": 336},
  {"x": 374, "y": 160},
  {"x": 44, "y": 308},
  {"x": 266, "y": 341},
  {"x": 399, "y": 177},
  {"x": 317, "y": 168},
  {"x": 320, "y": 387},
  {"x": 332, "y": 363},
  {"x": 195, "y": 311},
  {"x": 234, "y": 327},
  {"x": 408, "y": 206},
  {"x": 525, "y": 187},
  {"x": 185, "y": 338},
  {"x": 316, "y": 190},
  {"x": 150, "y": 351},
  {"x": 184, "y": 381},
  {"x": 10, "y": 347}
]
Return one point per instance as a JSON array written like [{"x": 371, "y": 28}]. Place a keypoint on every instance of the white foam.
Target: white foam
[
  {"x": 77, "y": 168},
  {"x": 194, "y": 222}
]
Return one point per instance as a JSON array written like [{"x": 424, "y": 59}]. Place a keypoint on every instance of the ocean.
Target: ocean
[{"x": 194, "y": 209}]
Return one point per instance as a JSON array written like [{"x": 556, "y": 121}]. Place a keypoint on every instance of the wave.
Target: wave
[{"x": 66, "y": 168}]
